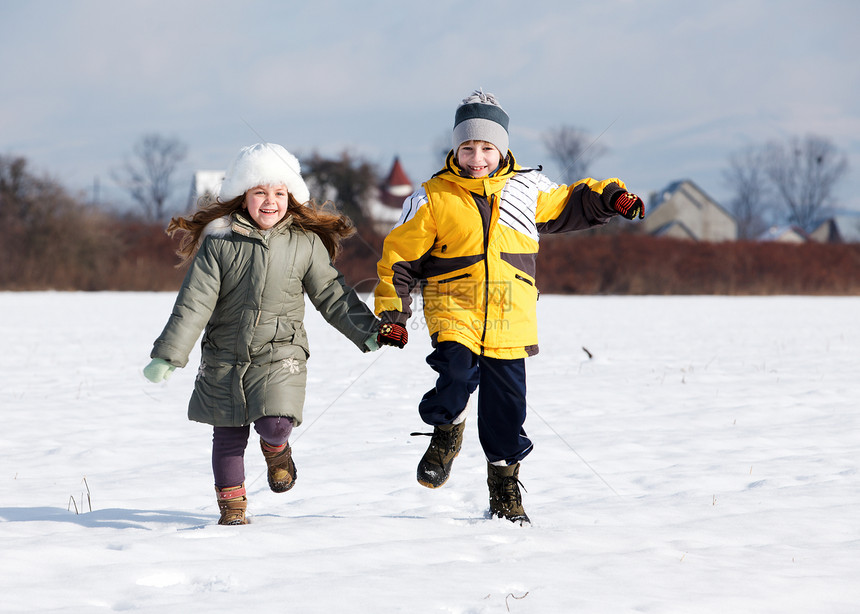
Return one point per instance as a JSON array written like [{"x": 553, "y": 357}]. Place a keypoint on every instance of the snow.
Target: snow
[{"x": 704, "y": 460}]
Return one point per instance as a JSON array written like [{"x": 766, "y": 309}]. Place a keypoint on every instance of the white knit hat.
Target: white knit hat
[
  {"x": 264, "y": 164},
  {"x": 481, "y": 118}
]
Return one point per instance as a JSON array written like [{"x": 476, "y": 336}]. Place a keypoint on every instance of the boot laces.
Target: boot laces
[
  {"x": 441, "y": 441},
  {"x": 506, "y": 491},
  {"x": 510, "y": 490}
]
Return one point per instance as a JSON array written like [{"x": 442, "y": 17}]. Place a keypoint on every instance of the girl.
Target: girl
[
  {"x": 469, "y": 238},
  {"x": 255, "y": 251}
]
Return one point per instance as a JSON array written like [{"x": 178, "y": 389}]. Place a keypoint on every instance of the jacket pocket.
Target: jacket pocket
[
  {"x": 285, "y": 330},
  {"x": 452, "y": 293},
  {"x": 529, "y": 282},
  {"x": 291, "y": 332},
  {"x": 525, "y": 279},
  {"x": 456, "y": 278}
]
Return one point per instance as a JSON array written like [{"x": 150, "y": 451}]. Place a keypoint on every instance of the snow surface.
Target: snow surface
[{"x": 704, "y": 460}]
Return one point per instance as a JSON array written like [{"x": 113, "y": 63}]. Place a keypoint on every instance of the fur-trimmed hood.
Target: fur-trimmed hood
[
  {"x": 236, "y": 222},
  {"x": 217, "y": 228}
]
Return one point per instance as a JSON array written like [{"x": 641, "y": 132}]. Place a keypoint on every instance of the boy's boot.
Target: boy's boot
[
  {"x": 435, "y": 465},
  {"x": 282, "y": 469},
  {"x": 232, "y": 502},
  {"x": 505, "y": 498}
]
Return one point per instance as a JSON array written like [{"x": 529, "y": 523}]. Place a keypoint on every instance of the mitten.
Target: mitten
[
  {"x": 392, "y": 334},
  {"x": 629, "y": 205},
  {"x": 158, "y": 370},
  {"x": 371, "y": 343}
]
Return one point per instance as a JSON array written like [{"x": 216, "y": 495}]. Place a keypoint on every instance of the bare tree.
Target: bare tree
[
  {"x": 573, "y": 150},
  {"x": 804, "y": 172},
  {"x": 27, "y": 200},
  {"x": 347, "y": 181},
  {"x": 747, "y": 177},
  {"x": 148, "y": 176},
  {"x": 51, "y": 238}
]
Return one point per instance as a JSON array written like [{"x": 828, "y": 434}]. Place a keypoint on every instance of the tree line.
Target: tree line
[
  {"x": 792, "y": 181},
  {"x": 55, "y": 240},
  {"x": 788, "y": 182}
]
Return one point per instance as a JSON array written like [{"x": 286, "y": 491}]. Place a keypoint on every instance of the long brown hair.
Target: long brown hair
[{"x": 330, "y": 225}]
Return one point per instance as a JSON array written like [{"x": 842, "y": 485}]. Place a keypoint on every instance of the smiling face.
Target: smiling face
[
  {"x": 267, "y": 204},
  {"x": 478, "y": 158}
]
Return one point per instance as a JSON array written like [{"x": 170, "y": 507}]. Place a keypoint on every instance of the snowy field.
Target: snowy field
[{"x": 704, "y": 460}]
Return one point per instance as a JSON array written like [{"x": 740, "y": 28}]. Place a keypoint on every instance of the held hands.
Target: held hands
[
  {"x": 629, "y": 205},
  {"x": 392, "y": 334},
  {"x": 158, "y": 370}
]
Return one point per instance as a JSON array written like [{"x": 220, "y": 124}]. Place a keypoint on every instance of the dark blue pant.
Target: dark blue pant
[
  {"x": 501, "y": 398},
  {"x": 229, "y": 443}
]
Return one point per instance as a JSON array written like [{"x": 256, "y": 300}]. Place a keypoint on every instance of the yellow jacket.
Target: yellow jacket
[{"x": 471, "y": 245}]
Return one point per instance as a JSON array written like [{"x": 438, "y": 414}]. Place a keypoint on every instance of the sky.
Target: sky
[{"x": 670, "y": 88}]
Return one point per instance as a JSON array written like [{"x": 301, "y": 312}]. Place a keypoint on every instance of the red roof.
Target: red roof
[
  {"x": 397, "y": 176},
  {"x": 397, "y": 187}
]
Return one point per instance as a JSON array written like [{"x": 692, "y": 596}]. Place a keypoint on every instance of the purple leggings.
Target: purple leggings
[{"x": 229, "y": 443}]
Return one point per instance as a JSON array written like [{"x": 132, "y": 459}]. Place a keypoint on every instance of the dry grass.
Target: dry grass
[{"x": 101, "y": 253}]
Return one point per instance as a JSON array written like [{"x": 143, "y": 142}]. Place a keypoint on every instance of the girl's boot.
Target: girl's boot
[
  {"x": 232, "y": 502},
  {"x": 281, "y": 468}
]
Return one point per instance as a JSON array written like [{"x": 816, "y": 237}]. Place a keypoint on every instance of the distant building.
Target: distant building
[
  {"x": 682, "y": 210},
  {"x": 675, "y": 230},
  {"x": 385, "y": 207},
  {"x": 204, "y": 183},
  {"x": 838, "y": 229},
  {"x": 783, "y": 234}
]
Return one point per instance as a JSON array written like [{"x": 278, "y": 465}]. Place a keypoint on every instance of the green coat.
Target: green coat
[{"x": 246, "y": 287}]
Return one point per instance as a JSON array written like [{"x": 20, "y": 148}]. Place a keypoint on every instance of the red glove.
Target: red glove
[
  {"x": 629, "y": 205},
  {"x": 392, "y": 334}
]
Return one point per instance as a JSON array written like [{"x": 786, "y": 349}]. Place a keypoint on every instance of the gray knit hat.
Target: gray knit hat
[{"x": 481, "y": 118}]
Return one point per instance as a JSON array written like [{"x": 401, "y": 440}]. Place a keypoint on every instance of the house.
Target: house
[
  {"x": 385, "y": 207},
  {"x": 783, "y": 234},
  {"x": 204, "y": 183},
  {"x": 838, "y": 229},
  {"x": 682, "y": 210},
  {"x": 675, "y": 230}
]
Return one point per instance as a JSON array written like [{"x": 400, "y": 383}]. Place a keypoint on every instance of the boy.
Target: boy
[{"x": 469, "y": 236}]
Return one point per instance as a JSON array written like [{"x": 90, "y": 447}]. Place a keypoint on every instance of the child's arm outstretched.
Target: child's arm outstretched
[
  {"x": 338, "y": 303},
  {"x": 584, "y": 204}
]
